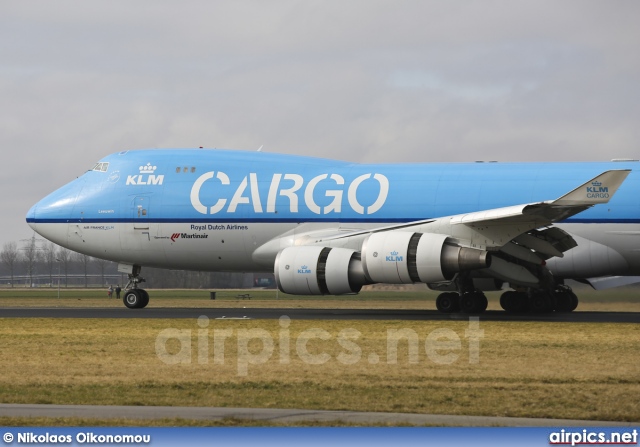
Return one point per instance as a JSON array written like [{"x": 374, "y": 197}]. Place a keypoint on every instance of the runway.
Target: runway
[
  {"x": 285, "y": 415},
  {"x": 313, "y": 314}
]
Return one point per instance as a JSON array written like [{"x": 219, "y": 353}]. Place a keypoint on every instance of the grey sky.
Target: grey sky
[{"x": 379, "y": 81}]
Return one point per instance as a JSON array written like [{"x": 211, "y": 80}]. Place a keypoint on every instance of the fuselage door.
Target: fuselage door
[{"x": 141, "y": 213}]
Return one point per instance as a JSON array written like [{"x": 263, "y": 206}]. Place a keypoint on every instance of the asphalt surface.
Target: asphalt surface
[
  {"x": 283, "y": 415},
  {"x": 313, "y": 314}
]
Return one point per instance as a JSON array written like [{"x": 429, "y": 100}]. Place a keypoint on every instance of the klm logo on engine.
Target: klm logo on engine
[
  {"x": 597, "y": 191},
  {"x": 146, "y": 176},
  {"x": 304, "y": 270},
  {"x": 393, "y": 257}
]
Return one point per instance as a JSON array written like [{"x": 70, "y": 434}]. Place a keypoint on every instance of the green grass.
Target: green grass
[
  {"x": 624, "y": 299},
  {"x": 555, "y": 370},
  {"x": 552, "y": 370},
  {"x": 229, "y": 294}
]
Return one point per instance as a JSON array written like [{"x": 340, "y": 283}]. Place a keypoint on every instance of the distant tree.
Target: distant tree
[
  {"x": 49, "y": 257},
  {"x": 102, "y": 266},
  {"x": 10, "y": 257},
  {"x": 64, "y": 255},
  {"x": 84, "y": 261},
  {"x": 31, "y": 256}
]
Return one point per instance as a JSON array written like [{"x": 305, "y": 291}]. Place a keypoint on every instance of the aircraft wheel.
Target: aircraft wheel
[
  {"x": 564, "y": 301},
  {"x": 506, "y": 300},
  {"x": 513, "y": 301},
  {"x": 474, "y": 302},
  {"x": 448, "y": 302},
  {"x": 574, "y": 301},
  {"x": 135, "y": 299},
  {"x": 483, "y": 302},
  {"x": 145, "y": 298},
  {"x": 520, "y": 302},
  {"x": 540, "y": 302}
]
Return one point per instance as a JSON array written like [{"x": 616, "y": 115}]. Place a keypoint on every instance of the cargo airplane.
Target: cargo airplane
[{"x": 326, "y": 227}]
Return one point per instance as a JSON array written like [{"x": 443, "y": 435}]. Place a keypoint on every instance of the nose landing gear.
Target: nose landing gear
[{"x": 134, "y": 298}]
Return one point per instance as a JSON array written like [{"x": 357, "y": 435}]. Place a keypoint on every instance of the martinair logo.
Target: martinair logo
[
  {"x": 304, "y": 269},
  {"x": 393, "y": 257},
  {"x": 175, "y": 236},
  {"x": 597, "y": 191},
  {"x": 146, "y": 176}
]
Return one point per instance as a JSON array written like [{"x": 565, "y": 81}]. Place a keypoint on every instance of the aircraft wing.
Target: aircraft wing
[
  {"x": 517, "y": 231},
  {"x": 596, "y": 191},
  {"x": 513, "y": 232}
]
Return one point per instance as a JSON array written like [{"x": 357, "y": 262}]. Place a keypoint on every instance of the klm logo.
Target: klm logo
[
  {"x": 393, "y": 257},
  {"x": 304, "y": 270},
  {"x": 597, "y": 191},
  {"x": 147, "y": 176}
]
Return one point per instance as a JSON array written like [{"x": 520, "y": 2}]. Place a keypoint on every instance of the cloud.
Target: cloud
[{"x": 376, "y": 81}]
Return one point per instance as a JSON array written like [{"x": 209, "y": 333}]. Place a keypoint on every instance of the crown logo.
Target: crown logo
[
  {"x": 394, "y": 253},
  {"x": 304, "y": 267},
  {"x": 596, "y": 183},
  {"x": 148, "y": 169}
]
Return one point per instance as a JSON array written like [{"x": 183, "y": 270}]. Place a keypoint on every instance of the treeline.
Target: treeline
[{"x": 38, "y": 263}]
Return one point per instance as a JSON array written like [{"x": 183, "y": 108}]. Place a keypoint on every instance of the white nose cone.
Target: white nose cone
[
  {"x": 56, "y": 232},
  {"x": 31, "y": 217}
]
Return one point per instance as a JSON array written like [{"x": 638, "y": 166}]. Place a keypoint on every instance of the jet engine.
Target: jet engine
[
  {"x": 404, "y": 258},
  {"x": 310, "y": 270},
  {"x": 386, "y": 257}
]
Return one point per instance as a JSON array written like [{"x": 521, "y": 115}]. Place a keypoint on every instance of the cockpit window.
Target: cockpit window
[{"x": 101, "y": 167}]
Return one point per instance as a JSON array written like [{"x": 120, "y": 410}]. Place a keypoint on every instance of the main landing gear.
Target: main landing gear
[
  {"x": 536, "y": 301},
  {"x": 468, "y": 299},
  {"x": 135, "y": 298},
  {"x": 469, "y": 303},
  {"x": 540, "y": 301}
]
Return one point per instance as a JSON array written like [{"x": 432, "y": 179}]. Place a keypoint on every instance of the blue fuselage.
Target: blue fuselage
[{"x": 210, "y": 209}]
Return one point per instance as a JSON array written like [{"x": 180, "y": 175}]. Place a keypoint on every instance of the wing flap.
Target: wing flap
[{"x": 549, "y": 242}]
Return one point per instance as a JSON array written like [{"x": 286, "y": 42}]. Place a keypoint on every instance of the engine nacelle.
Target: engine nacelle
[
  {"x": 402, "y": 258},
  {"x": 310, "y": 270}
]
